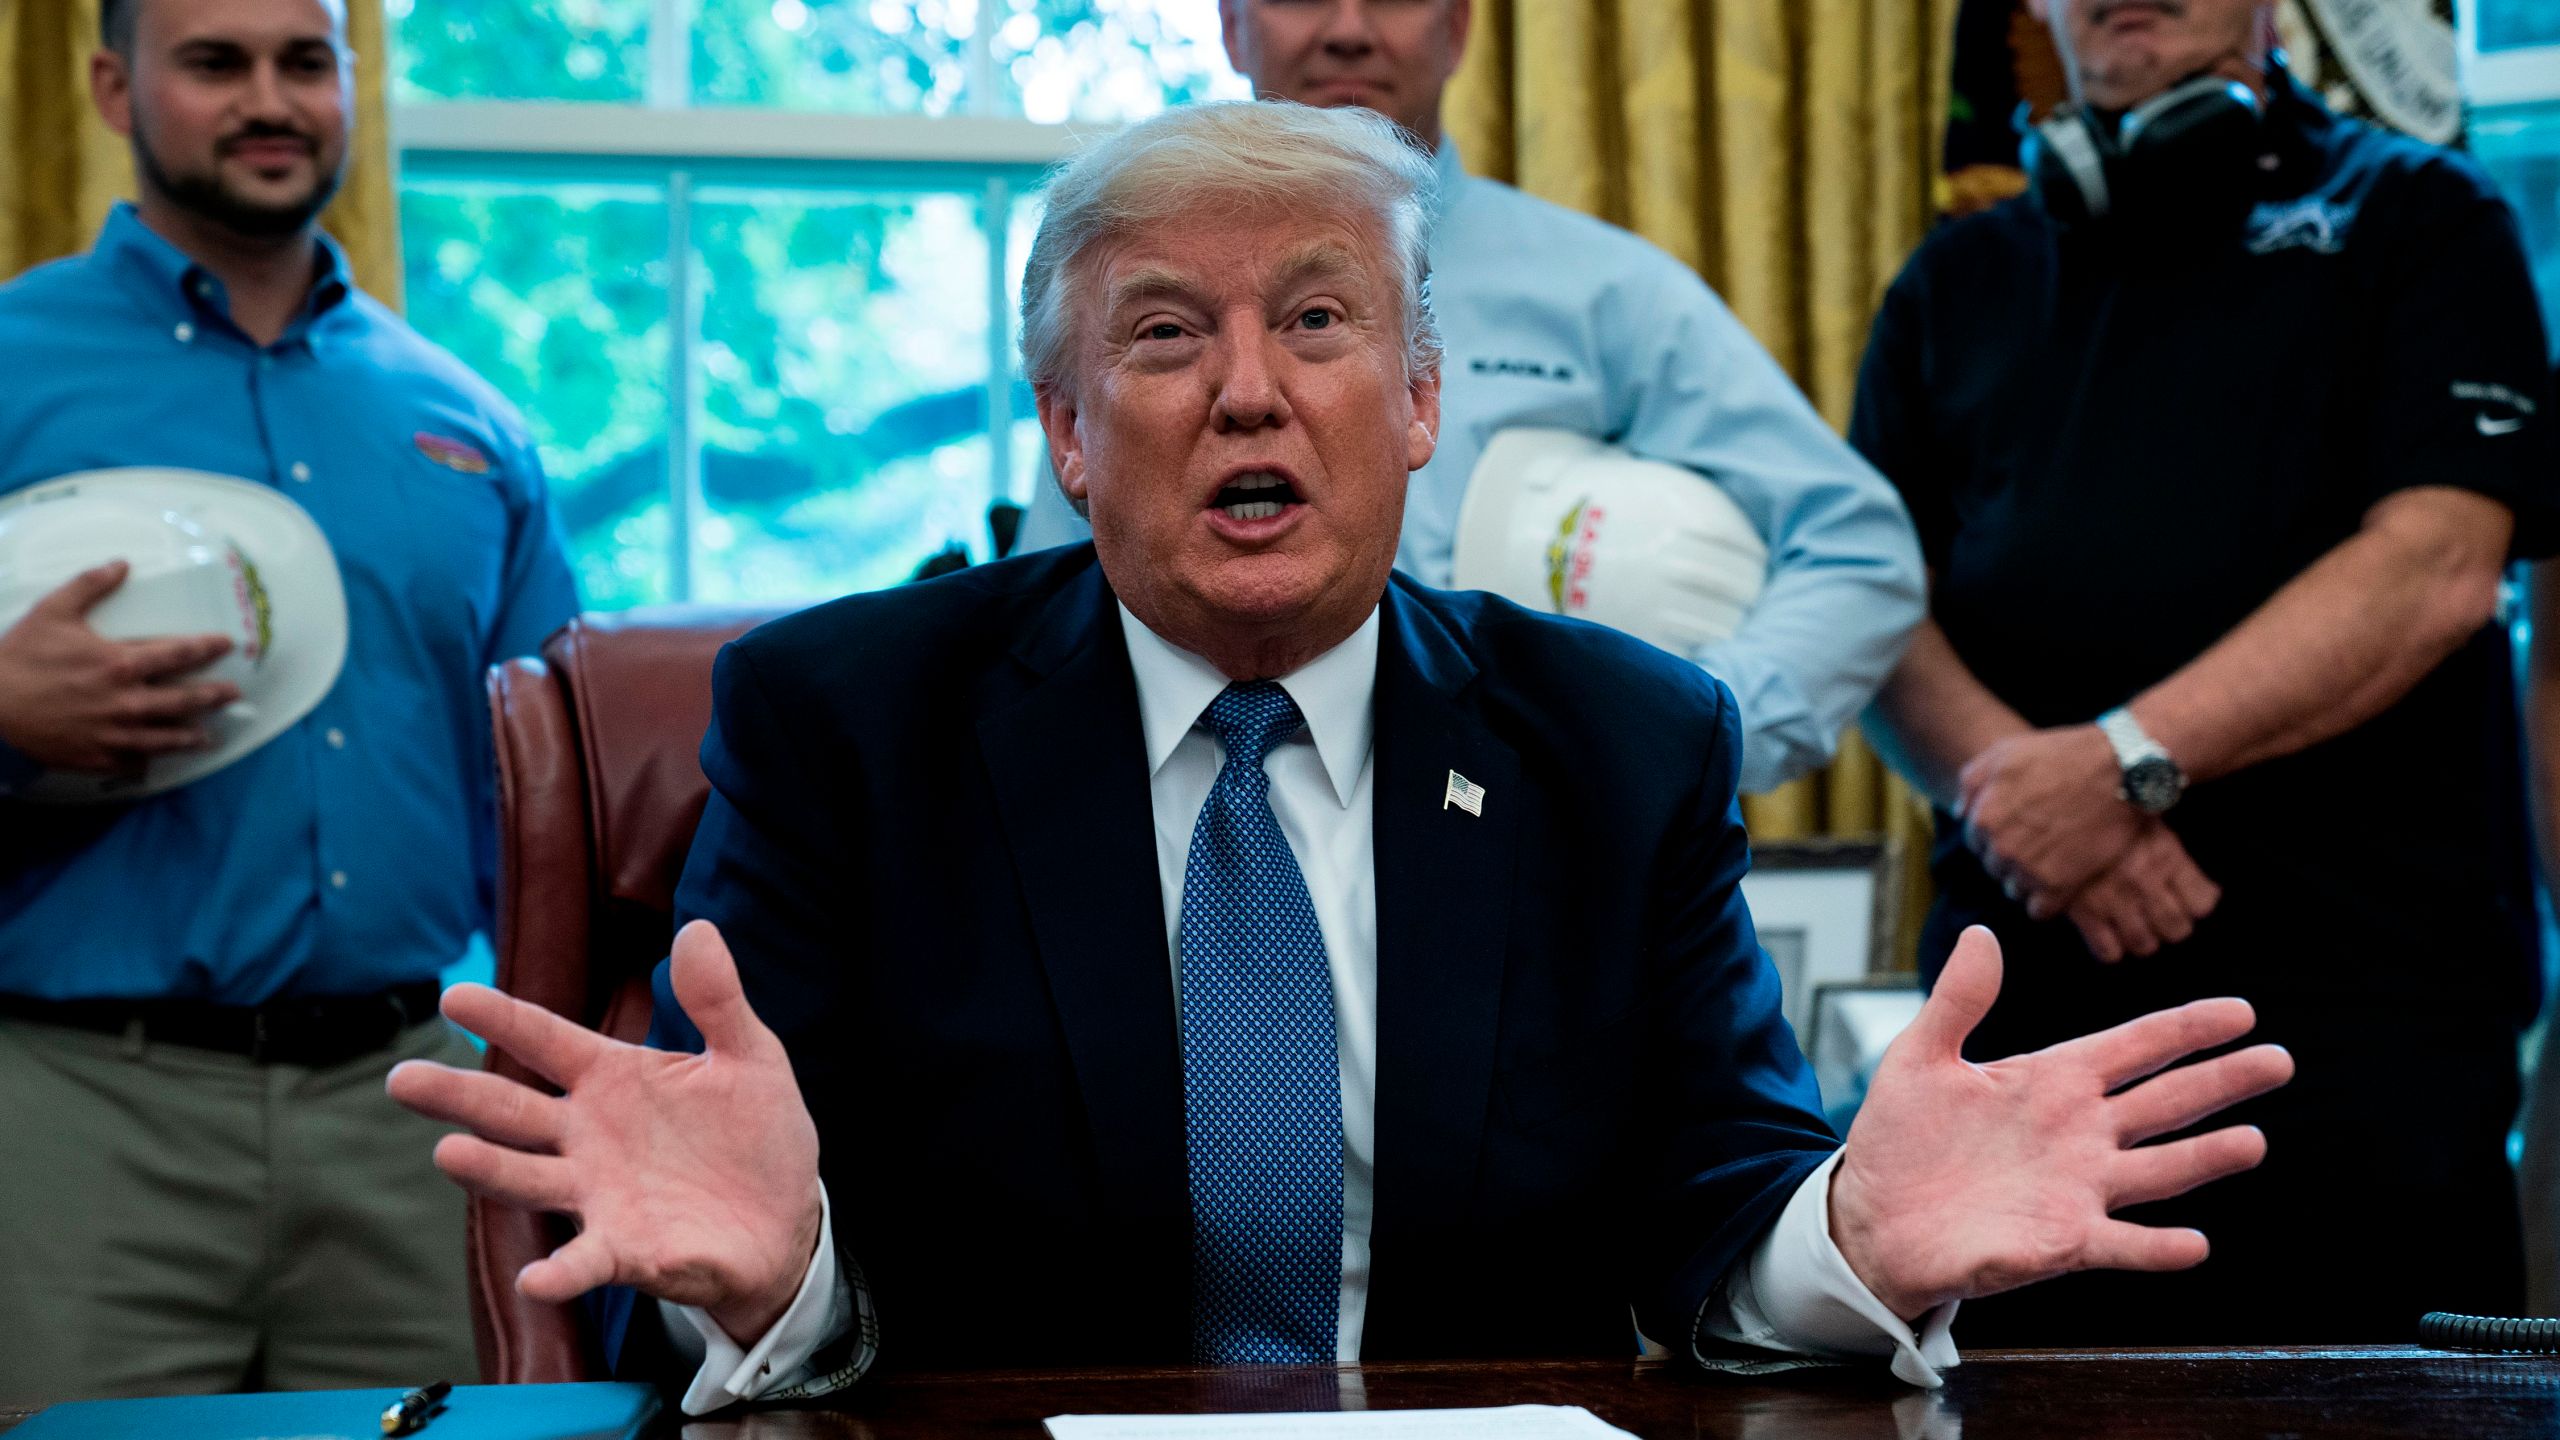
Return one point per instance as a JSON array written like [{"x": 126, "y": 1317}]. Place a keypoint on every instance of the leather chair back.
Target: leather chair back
[{"x": 599, "y": 789}]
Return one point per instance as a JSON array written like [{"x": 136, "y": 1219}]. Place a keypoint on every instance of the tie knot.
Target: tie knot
[{"x": 1252, "y": 717}]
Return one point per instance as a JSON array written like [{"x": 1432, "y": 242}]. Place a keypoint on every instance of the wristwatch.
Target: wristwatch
[{"x": 2152, "y": 781}]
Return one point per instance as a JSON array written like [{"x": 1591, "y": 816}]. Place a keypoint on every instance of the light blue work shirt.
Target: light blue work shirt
[
  {"x": 1550, "y": 317},
  {"x": 356, "y": 850}
]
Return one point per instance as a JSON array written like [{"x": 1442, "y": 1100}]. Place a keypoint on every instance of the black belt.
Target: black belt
[{"x": 316, "y": 1030}]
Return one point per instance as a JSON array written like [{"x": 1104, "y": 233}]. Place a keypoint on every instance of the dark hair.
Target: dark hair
[{"x": 115, "y": 24}]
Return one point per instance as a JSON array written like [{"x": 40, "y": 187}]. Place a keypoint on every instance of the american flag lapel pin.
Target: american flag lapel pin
[{"x": 1464, "y": 793}]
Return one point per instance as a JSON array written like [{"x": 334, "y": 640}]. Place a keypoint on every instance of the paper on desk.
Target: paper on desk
[{"x": 1507, "y": 1422}]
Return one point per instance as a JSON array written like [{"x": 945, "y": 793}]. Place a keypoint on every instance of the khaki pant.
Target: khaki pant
[{"x": 181, "y": 1221}]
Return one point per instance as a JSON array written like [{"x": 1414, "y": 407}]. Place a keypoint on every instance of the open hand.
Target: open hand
[
  {"x": 1961, "y": 1180},
  {"x": 2045, "y": 811},
  {"x": 2152, "y": 897},
  {"x": 71, "y": 699},
  {"x": 693, "y": 1178}
]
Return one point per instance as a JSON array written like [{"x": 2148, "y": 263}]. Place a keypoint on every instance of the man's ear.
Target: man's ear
[
  {"x": 111, "y": 89},
  {"x": 1066, "y": 442},
  {"x": 1231, "y": 30},
  {"x": 1462, "y": 19},
  {"x": 2042, "y": 10},
  {"x": 1422, "y": 432}
]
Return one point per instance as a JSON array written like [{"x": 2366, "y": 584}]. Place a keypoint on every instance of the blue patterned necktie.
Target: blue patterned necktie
[{"x": 1262, "y": 1089}]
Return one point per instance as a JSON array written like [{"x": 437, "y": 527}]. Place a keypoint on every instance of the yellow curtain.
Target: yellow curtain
[
  {"x": 1786, "y": 149},
  {"x": 60, "y": 168}
]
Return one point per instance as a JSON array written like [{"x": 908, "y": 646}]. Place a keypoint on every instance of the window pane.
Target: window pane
[
  {"x": 2515, "y": 24},
  {"x": 556, "y": 295},
  {"x": 1050, "y": 60},
  {"x": 519, "y": 50},
  {"x": 2520, "y": 146},
  {"x": 844, "y": 371},
  {"x": 896, "y": 57},
  {"x": 1107, "y": 60}
]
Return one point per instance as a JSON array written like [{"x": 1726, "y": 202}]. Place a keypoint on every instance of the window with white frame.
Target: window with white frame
[{"x": 750, "y": 267}]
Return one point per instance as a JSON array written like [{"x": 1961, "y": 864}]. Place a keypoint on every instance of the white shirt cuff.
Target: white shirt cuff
[
  {"x": 725, "y": 1373},
  {"x": 1796, "y": 1293}
]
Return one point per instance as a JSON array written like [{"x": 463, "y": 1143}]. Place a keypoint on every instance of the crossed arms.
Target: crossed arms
[{"x": 2330, "y": 650}]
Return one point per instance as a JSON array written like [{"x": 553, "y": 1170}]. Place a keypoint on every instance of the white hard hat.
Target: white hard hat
[
  {"x": 1561, "y": 522},
  {"x": 208, "y": 555}
]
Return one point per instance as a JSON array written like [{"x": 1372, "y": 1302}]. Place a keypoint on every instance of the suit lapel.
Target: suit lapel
[
  {"x": 1068, "y": 762},
  {"x": 1444, "y": 880}
]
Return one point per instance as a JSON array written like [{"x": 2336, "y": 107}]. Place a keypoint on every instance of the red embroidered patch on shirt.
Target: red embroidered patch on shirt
[{"x": 452, "y": 454}]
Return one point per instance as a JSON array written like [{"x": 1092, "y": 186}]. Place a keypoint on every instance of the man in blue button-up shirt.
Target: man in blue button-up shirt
[
  {"x": 200, "y": 992},
  {"x": 1552, "y": 318}
]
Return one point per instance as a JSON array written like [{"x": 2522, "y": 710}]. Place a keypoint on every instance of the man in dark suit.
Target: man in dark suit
[{"x": 1198, "y": 944}]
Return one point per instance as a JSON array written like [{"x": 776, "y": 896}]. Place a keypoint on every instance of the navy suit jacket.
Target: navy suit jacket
[{"x": 931, "y": 847}]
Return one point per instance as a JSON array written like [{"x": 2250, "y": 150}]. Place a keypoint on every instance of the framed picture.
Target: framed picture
[
  {"x": 1824, "y": 912},
  {"x": 1853, "y": 1022}
]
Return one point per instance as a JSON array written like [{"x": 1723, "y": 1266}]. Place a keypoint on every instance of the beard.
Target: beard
[{"x": 203, "y": 193}]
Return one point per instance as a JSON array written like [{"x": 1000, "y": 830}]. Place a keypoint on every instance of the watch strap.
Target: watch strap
[
  {"x": 2132, "y": 743},
  {"x": 2151, "y": 780}
]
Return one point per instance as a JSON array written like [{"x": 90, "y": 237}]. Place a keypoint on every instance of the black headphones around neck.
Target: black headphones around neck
[{"x": 2192, "y": 148}]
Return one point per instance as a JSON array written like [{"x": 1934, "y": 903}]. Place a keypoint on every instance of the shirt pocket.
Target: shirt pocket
[{"x": 447, "y": 555}]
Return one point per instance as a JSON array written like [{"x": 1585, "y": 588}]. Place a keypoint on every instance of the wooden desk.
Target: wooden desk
[{"x": 2045, "y": 1394}]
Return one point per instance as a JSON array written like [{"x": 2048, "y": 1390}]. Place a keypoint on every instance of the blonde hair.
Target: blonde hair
[{"x": 1256, "y": 151}]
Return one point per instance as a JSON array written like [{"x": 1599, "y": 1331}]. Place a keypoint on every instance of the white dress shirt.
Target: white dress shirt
[{"x": 1794, "y": 1295}]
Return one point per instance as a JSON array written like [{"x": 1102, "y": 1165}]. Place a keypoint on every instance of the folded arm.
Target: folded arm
[
  {"x": 1934, "y": 718},
  {"x": 2342, "y": 641},
  {"x": 2331, "y": 649},
  {"x": 1845, "y": 584}
]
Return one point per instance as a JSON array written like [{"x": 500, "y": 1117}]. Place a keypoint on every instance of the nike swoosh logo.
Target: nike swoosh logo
[{"x": 2508, "y": 426}]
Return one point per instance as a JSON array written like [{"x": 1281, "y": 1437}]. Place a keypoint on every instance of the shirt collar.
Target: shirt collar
[
  {"x": 1333, "y": 692},
  {"x": 163, "y": 278}
]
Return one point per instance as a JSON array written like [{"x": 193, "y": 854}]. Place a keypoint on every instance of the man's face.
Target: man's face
[
  {"x": 1391, "y": 56},
  {"x": 2125, "y": 51},
  {"x": 1240, "y": 422},
  {"x": 237, "y": 109}
]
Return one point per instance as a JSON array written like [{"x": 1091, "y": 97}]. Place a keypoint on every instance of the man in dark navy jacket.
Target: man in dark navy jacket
[{"x": 1197, "y": 944}]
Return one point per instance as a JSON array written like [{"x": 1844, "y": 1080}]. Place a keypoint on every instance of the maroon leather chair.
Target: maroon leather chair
[{"x": 599, "y": 789}]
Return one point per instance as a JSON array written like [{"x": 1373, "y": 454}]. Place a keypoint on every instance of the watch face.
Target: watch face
[{"x": 2153, "y": 785}]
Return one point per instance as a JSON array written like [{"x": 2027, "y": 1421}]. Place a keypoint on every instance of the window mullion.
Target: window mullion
[
  {"x": 979, "y": 56},
  {"x": 671, "y": 54}
]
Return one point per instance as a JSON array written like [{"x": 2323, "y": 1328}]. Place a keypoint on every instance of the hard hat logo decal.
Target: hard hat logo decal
[
  {"x": 1569, "y": 557},
  {"x": 257, "y": 613}
]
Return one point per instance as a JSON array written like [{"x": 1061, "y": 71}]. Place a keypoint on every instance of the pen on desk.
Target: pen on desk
[{"x": 412, "y": 1410}]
